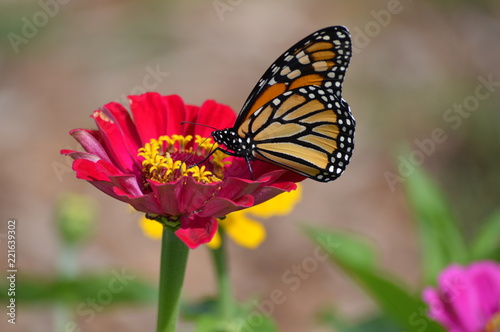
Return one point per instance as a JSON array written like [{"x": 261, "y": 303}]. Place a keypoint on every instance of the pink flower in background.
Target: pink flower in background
[
  {"x": 467, "y": 299},
  {"x": 148, "y": 161}
]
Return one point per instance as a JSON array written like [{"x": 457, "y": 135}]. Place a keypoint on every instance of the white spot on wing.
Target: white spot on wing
[
  {"x": 293, "y": 74},
  {"x": 320, "y": 66},
  {"x": 285, "y": 71},
  {"x": 304, "y": 60}
]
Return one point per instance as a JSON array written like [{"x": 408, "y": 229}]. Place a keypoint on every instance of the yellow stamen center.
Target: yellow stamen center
[
  {"x": 171, "y": 157},
  {"x": 494, "y": 324}
]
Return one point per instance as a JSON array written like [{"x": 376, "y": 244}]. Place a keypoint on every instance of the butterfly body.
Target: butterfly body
[
  {"x": 295, "y": 117},
  {"x": 240, "y": 146}
]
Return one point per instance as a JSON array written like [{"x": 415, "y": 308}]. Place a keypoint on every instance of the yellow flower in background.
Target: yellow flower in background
[
  {"x": 151, "y": 228},
  {"x": 240, "y": 225},
  {"x": 243, "y": 230},
  {"x": 249, "y": 233}
]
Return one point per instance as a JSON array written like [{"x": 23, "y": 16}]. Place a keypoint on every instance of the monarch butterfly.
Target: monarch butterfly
[{"x": 295, "y": 116}]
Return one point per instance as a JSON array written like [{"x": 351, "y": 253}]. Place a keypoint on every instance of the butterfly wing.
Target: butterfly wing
[
  {"x": 295, "y": 116},
  {"x": 319, "y": 59},
  {"x": 306, "y": 130}
]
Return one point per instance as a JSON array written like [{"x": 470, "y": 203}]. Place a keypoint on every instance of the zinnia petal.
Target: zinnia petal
[
  {"x": 90, "y": 143},
  {"x": 467, "y": 298},
  {"x": 196, "y": 230},
  {"x": 485, "y": 279},
  {"x": 121, "y": 142}
]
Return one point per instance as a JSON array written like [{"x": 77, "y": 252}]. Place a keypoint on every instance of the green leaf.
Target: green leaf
[
  {"x": 486, "y": 243},
  {"x": 348, "y": 248},
  {"x": 206, "y": 307},
  {"x": 245, "y": 317},
  {"x": 378, "y": 323},
  {"x": 259, "y": 323},
  {"x": 440, "y": 237},
  {"x": 405, "y": 309},
  {"x": 111, "y": 288},
  {"x": 31, "y": 291}
]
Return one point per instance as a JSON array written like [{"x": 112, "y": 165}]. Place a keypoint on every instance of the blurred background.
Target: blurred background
[{"x": 423, "y": 85}]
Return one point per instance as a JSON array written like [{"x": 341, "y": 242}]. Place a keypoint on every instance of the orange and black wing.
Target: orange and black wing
[
  {"x": 305, "y": 130},
  {"x": 319, "y": 59}
]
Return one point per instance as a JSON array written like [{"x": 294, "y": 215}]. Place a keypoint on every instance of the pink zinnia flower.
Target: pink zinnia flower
[
  {"x": 467, "y": 299},
  {"x": 146, "y": 162}
]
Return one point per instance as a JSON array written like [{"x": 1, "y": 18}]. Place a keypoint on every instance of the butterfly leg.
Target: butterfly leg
[
  {"x": 247, "y": 159},
  {"x": 249, "y": 168}
]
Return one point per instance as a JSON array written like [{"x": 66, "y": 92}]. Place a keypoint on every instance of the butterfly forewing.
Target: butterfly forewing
[
  {"x": 295, "y": 117},
  {"x": 315, "y": 60}
]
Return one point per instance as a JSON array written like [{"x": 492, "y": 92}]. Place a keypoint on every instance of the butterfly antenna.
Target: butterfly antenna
[
  {"x": 205, "y": 159},
  {"x": 198, "y": 124},
  {"x": 189, "y": 157}
]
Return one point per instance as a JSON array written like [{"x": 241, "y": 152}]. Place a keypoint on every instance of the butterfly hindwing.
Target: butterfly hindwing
[{"x": 305, "y": 130}]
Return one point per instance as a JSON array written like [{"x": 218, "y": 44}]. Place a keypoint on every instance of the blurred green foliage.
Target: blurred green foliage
[
  {"x": 442, "y": 244},
  {"x": 75, "y": 217},
  {"x": 42, "y": 290},
  {"x": 379, "y": 323},
  {"x": 245, "y": 317},
  {"x": 79, "y": 294}
]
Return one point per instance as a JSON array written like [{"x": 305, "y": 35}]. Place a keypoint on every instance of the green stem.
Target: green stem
[
  {"x": 174, "y": 254},
  {"x": 223, "y": 282},
  {"x": 68, "y": 262},
  {"x": 67, "y": 268}
]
